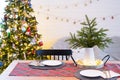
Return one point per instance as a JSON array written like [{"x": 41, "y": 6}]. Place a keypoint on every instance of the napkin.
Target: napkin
[
  {"x": 109, "y": 74},
  {"x": 35, "y": 63}
]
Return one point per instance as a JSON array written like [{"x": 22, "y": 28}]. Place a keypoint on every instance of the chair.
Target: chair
[{"x": 55, "y": 54}]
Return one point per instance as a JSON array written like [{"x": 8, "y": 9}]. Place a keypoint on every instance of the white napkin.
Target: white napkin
[
  {"x": 34, "y": 63},
  {"x": 109, "y": 74}
]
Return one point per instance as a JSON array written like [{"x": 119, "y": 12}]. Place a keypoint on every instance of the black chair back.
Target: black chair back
[{"x": 59, "y": 54}]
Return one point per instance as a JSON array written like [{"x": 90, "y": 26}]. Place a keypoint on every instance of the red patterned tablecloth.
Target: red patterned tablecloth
[{"x": 68, "y": 70}]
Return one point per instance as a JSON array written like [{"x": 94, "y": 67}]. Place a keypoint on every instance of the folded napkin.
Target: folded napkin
[
  {"x": 35, "y": 63},
  {"x": 109, "y": 74}
]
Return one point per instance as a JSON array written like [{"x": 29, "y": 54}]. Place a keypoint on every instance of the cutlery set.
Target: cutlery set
[{"x": 107, "y": 74}]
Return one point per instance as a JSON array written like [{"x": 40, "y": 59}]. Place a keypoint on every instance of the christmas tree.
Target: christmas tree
[{"x": 19, "y": 37}]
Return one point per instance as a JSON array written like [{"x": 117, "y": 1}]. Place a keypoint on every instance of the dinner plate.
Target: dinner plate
[
  {"x": 91, "y": 73},
  {"x": 51, "y": 62}
]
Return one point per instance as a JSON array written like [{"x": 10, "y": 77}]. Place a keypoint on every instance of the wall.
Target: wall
[{"x": 59, "y": 17}]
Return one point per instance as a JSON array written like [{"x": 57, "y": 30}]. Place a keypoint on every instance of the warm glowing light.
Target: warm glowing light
[{"x": 88, "y": 63}]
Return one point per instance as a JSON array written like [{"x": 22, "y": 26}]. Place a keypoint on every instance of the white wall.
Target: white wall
[{"x": 53, "y": 29}]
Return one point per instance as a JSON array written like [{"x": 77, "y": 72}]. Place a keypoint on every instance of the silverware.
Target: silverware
[{"x": 107, "y": 74}]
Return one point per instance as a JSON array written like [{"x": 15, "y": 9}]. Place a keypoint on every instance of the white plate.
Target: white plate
[
  {"x": 91, "y": 73},
  {"x": 51, "y": 62}
]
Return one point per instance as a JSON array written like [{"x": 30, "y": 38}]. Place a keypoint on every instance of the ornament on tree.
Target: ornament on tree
[
  {"x": 40, "y": 43},
  {"x": 112, "y": 17},
  {"x": 23, "y": 29},
  {"x": 1, "y": 63},
  {"x": 103, "y": 18},
  {"x": 24, "y": 24},
  {"x": 28, "y": 31},
  {"x": 8, "y": 33},
  {"x": 30, "y": 5},
  {"x": 5, "y": 17},
  {"x": 33, "y": 51},
  {"x": 33, "y": 41},
  {"x": 13, "y": 46}
]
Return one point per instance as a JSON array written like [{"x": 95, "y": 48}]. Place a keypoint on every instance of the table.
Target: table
[{"x": 5, "y": 74}]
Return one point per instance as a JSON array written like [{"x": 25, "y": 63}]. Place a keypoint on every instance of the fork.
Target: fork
[{"x": 107, "y": 74}]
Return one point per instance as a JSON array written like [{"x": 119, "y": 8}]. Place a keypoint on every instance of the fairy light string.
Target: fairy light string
[{"x": 47, "y": 11}]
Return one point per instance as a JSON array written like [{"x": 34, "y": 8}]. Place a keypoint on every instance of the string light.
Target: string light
[
  {"x": 74, "y": 21},
  {"x": 56, "y": 18},
  {"x": 103, "y": 18},
  {"x": 67, "y": 20},
  {"x": 112, "y": 17},
  {"x": 90, "y": 1},
  {"x": 47, "y": 17},
  {"x": 85, "y": 4},
  {"x": 76, "y": 4}
]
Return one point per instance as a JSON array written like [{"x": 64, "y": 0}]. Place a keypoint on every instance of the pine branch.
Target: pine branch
[{"x": 89, "y": 36}]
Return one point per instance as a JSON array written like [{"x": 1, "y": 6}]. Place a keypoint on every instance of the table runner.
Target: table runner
[
  {"x": 23, "y": 69},
  {"x": 68, "y": 70}
]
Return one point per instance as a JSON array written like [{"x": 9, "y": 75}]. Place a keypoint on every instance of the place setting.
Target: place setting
[
  {"x": 46, "y": 64},
  {"x": 94, "y": 74}
]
